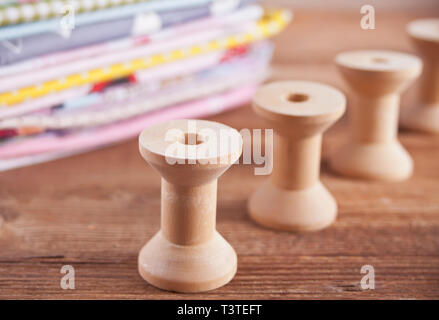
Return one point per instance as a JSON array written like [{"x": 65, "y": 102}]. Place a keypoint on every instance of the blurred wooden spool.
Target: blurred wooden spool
[
  {"x": 424, "y": 115},
  {"x": 372, "y": 150},
  {"x": 294, "y": 199}
]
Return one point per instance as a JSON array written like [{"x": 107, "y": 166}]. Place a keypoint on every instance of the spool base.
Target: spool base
[
  {"x": 421, "y": 118},
  {"x": 194, "y": 268},
  {"x": 380, "y": 162},
  {"x": 290, "y": 210}
]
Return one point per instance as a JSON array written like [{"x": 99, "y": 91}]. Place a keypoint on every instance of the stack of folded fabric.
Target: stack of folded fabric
[{"x": 79, "y": 74}]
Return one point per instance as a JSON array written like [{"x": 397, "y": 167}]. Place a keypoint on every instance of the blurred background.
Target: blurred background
[{"x": 354, "y": 5}]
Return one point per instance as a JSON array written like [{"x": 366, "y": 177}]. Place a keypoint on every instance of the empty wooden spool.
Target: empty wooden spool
[
  {"x": 293, "y": 198},
  {"x": 188, "y": 254},
  {"x": 424, "y": 115},
  {"x": 377, "y": 78}
]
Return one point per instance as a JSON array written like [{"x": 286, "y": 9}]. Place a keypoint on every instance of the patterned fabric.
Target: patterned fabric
[
  {"x": 32, "y": 11},
  {"x": 139, "y": 96},
  {"x": 125, "y": 65},
  {"x": 49, "y": 42},
  {"x": 92, "y": 40},
  {"x": 167, "y": 71},
  {"x": 271, "y": 24},
  {"x": 55, "y": 25},
  {"x": 52, "y": 146}
]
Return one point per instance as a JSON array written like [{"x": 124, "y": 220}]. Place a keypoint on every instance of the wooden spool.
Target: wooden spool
[
  {"x": 377, "y": 78},
  {"x": 188, "y": 254},
  {"x": 294, "y": 199},
  {"x": 424, "y": 115}
]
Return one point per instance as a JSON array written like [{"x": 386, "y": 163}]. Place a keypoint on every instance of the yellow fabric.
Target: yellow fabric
[{"x": 270, "y": 24}]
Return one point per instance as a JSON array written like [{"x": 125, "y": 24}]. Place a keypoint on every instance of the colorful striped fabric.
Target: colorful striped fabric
[
  {"x": 51, "y": 146},
  {"x": 140, "y": 24},
  {"x": 245, "y": 15},
  {"x": 121, "y": 66},
  {"x": 103, "y": 107},
  {"x": 271, "y": 24}
]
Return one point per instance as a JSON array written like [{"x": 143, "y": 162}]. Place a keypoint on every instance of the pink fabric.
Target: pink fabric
[
  {"x": 169, "y": 70},
  {"x": 47, "y": 101},
  {"x": 71, "y": 55},
  {"x": 14, "y": 82},
  {"x": 127, "y": 129}
]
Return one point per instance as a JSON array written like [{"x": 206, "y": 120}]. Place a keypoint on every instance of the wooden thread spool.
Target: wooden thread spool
[
  {"x": 294, "y": 199},
  {"x": 424, "y": 115},
  {"x": 188, "y": 254},
  {"x": 377, "y": 79}
]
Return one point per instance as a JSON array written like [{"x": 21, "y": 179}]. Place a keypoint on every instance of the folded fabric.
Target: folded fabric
[
  {"x": 119, "y": 12},
  {"x": 123, "y": 66},
  {"x": 104, "y": 111},
  {"x": 146, "y": 85},
  {"x": 50, "y": 99},
  {"x": 126, "y": 129},
  {"x": 168, "y": 70},
  {"x": 141, "y": 58},
  {"x": 44, "y": 43},
  {"x": 185, "y": 35},
  {"x": 250, "y": 69},
  {"x": 155, "y": 74},
  {"x": 105, "y": 61},
  {"x": 52, "y": 146},
  {"x": 31, "y": 10},
  {"x": 240, "y": 16}
]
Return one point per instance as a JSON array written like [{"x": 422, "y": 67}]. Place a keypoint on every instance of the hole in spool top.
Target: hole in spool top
[
  {"x": 379, "y": 60},
  {"x": 192, "y": 139},
  {"x": 297, "y": 97}
]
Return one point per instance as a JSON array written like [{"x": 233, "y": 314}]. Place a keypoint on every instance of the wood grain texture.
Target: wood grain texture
[{"x": 95, "y": 211}]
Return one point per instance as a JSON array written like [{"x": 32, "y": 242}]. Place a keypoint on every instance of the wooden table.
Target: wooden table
[{"x": 95, "y": 211}]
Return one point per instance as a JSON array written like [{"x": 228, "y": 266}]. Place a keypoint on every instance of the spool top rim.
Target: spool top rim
[
  {"x": 424, "y": 29},
  {"x": 299, "y": 100},
  {"x": 378, "y": 61},
  {"x": 194, "y": 137}
]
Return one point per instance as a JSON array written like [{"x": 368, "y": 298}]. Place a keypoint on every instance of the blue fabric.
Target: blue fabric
[
  {"x": 114, "y": 13},
  {"x": 40, "y": 44}
]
